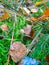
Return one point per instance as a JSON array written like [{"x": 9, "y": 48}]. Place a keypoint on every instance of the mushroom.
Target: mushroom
[
  {"x": 17, "y": 51},
  {"x": 22, "y": 31},
  {"x": 29, "y": 32},
  {"x": 27, "y": 29}
]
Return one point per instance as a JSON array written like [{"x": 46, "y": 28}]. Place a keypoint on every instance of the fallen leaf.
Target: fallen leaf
[
  {"x": 17, "y": 51},
  {"x": 34, "y": 10},
  {"x": 45, "y": 14},
  {"x": 47, "y": 58},
  {"x": 1, "y": 6},
  {"x": 25, "y": 9},
  {"x": 33, "y": 19},
  {"x": 28, "y": 2},
  {"x": 38, "y": 3},
  {"x": 4, "y": 27},
  {"x": 5, "y": 15}
]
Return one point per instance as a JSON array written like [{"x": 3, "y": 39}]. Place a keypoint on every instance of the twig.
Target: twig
[
  {"x": 8, "y": 60},
  {"x": 33, "y": 41},
  {"x": 11, "y": 39}
]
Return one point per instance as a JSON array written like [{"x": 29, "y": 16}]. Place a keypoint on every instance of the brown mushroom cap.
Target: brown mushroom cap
[
  {"x": 17, "y": 51},
  {"x": 29, "y": 32},
  {"x": 27, "y": 29}
]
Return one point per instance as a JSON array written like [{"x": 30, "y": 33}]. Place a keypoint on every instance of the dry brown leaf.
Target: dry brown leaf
[
  {"x": 17, "y": 51},
  {"x": 47, "y": 58},
  {"x": 4, "y": 27},
  {"x": 45, "y": 14},
  {"x": 43, "y": 17},
  {"x": 34, "y": 10},
  {"x": 26, "y": 11},
  {"x": 5, "y": 15},
  {"x": 33, "y": 19},
  {"x": 28, "y": 2},
  {"x": 40, "y": 2}
]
